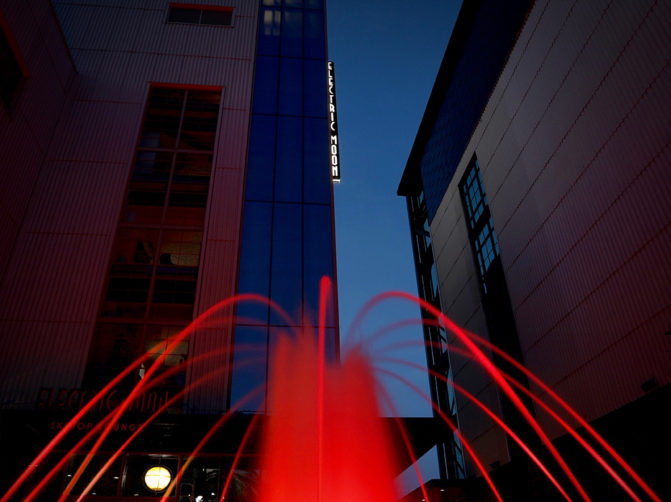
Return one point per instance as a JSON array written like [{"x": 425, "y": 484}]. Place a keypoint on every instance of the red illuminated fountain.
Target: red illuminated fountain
[
  {"x": 323, "y": 440},
  {"x": 329, "y": 429}
]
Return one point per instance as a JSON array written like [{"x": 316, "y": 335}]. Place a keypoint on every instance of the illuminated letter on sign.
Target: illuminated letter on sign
[{"x": 333, "y": 126}]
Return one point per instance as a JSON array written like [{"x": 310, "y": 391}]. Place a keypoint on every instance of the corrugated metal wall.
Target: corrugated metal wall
[
  {"x": 51, "y": 293},
  {"x": 27, "y": 127},
  {"x": 27, "y": 124},
  {"x": 574, "y": 154}
]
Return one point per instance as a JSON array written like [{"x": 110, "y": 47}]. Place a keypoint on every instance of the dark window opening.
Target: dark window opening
[
  {"x": 211, "y": 15},
  {"x": 450, "y": 455},
  {"x": 11, "y": 71},
  {"x": 479, "y": 221}
]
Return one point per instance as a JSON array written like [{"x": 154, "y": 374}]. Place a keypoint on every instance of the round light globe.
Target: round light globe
[{"x": 157, "y": 478}]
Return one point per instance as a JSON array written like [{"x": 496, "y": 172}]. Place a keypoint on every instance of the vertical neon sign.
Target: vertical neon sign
[{"x": 334, "y": 147}]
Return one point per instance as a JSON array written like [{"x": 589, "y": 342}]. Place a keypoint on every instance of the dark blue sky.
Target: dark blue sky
[
  {"x": 386, "y": 55},
  {"x": 386, "y": 58}
]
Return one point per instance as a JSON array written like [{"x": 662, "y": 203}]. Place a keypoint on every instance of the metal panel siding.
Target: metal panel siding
[
  {"x": 46, "y": 283},
  {"x": 224, "y": 217},
  {"x": 574, "y": 148},
  {"x": 604, "y": 385},
  {"x": 89, "y": 209},
  {"x": 232, "y": 150},
  {"x": 98, "y": 131},
  {"x": 607, "y": 192},
  {"x": 491, "y": 447},
  {"x": 26, "y": 132},
  {"x": 119, "y": 47},
  {"x": 209, "y": 351},
  {"x": 217, "y": 277},
  {"x": 58, "y": 358},
  {"x": 21, "y": 167}
]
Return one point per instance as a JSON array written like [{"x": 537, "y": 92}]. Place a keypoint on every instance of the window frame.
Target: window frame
[
  {"x": 200, "y": 8},
  {"x": 478, "y": 219}
]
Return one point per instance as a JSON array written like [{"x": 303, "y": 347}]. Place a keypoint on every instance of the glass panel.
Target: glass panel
[
  {"x": 249, "y": 366},
  {"x": 107, "y": 485},
  {"x": 313, "y": 4},
  {"x": 200, "y": 481},
  {"x": 162, "y": 118},
  {"x": 114, "y": 347},
  {"x": 192, "y": 168},
  {"x": 313, "y": 44},
  {"x": 134, "y": 246},
  {"x": 289, "y": 163},
  {"x": 162, "y": 336},
  {"x": 269, "y": 31},
  {"x": 315, "y": 88},
  {"x": 286, "y": 277},
  {"x": 255, "y": 260},
  {"x": 331, "y": 344},
  {"x": 293, "y": 3},
  {"x": 292, "y": 33},
  {"x": 217, "y": 17},
  {"x": 130, "y": 273},
  {"x": 316, "y": 170},
  {"x": 148, "y": 186},
  {"x": 129, "y": 285},
  {"x": 173, "y": 287},
  {"x": 181, "y": 248},
  {"x": 277, "y": 335},
  {"x": 291, "y": 86},
  {"x": 171, "y": 312},
  {"x": 177, "y": 272},
  {"x": 152, "y": 166},
  {"x": 265, "y": 85},
  {"x": 158, "y": 339},
  {"x": 182, "y": 15},
  {"x": 318, "y": 259},
  {"x": 261, "y": 160},
  {"x": 200, "y": 120},
  {"x": 189, "y": 190}
]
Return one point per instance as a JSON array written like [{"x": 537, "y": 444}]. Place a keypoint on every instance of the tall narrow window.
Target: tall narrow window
[
  {"x": 437, "y": 351},
  {"x": 480, "y": 228},
  {"x": 151, "y": 286}
]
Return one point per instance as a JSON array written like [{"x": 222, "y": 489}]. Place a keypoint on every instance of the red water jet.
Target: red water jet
[{"x": 357, "y": 463}]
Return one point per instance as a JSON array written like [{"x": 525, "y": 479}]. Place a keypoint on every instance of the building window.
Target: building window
[
  {"x": 437, "y": 351},
  {"x": 479, "y": 221},
  {"x": 151, "y": 284},
  {"x": 212, "y": 15},
  {"x": 12, "y": 68}
]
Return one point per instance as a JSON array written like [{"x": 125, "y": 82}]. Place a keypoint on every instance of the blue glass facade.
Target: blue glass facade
[{"x": 287, "y": 234}]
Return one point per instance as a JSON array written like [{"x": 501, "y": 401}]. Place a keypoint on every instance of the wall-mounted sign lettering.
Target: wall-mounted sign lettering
[
  {"x": 73, "y": 400},
  {"x": 334, "y": 147}
]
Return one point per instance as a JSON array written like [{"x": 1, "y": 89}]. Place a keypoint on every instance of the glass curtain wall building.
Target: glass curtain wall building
[{"x": 287, "y": 235}]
